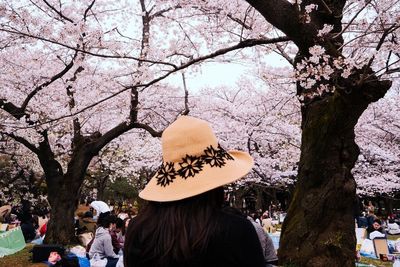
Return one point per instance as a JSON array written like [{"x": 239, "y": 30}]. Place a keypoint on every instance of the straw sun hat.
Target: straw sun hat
[{"x": 193, "y": 162}]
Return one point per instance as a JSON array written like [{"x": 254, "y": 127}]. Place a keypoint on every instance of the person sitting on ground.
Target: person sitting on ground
[
  {"x": 123, "y": 214},
  {"x": 43, "y": 229},
  {"x": 371, "y": 215},
  {"x": 29, "y": 227},
  {"x": 124, "y": 228},
  {"x": 266, "y": 242},
  {"x": 5, "y": 211},
  {"x": 114, "y": 233},
  {"x": 102, "y": 244},
  {"x": 362, "y": 221},
  {"x": 393, "y": 227},
  {"x": 112, "y": 220},
  {"x": 266, "y": 222},
  {"x": 183, "y": 223},
  {"x": 119, "y": 232},
  {"x": 102, "y": 209},
  {"x": 376, "y": 226},
  {"x": 86, "y": 223}
]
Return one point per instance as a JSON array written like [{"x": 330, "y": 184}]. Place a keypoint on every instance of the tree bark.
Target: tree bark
[
  {"x": 64, "y": 189},
  {"x": 388, "y": 205},
  {"x": 101, "y": 184},
  {"x": 63, "y": 203},
  {"x": 319, "y": 227}
]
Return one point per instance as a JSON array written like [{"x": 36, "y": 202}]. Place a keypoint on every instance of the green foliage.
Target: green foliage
[{"x": 121, "y": 189}]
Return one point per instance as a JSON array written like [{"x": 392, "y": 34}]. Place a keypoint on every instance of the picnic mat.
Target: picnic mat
[
  {"x": 11, "y": 242},
  {"x": 275, "y": 239}
]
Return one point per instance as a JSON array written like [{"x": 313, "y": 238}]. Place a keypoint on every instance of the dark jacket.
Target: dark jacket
[{"x": 235, "y": 245}]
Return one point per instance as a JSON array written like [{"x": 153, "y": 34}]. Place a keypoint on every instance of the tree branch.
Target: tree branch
[
  {"x": 133, "y": 114},
  {"x": 87, "y": 10},
  {"x": 117, "y": 131},
  {"x": 240, "y": 45},
  {"x": 148, "y": 128},
  {"x": 12, "y": 109},
  {"x": 24, "y": 142},
  {"x": 284, "y": 55},
  {"x": 186, "y": 111},
  {"x": 163, "y": 11},
  {"x": 277, "y": 13},
  {"x": 85, "y": 51},
  {"x": 58, "y": 12},
  {"x": 52, "y": 79}
]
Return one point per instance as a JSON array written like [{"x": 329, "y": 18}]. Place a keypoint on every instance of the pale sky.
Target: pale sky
[{"x": 214, "y": 74}]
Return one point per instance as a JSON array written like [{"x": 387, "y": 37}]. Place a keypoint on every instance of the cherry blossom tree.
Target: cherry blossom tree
[
  {"x": 19, "y": 180},
  {"x": 347, "y": 51},
  {"x": 262, "y": 121},
  {"x": 377, "y": 169},
  {"x": 78, "y": 75}
]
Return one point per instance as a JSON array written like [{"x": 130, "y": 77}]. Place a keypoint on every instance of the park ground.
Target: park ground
[{"x": 22, "y": 259}]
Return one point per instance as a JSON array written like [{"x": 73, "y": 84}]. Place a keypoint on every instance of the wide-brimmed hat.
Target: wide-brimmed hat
[{"x": 193, "y": 162}]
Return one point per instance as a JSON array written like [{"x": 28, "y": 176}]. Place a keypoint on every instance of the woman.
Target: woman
[
  {"x": 184, "y": 223},
  {"x": 102, "y": 242}
]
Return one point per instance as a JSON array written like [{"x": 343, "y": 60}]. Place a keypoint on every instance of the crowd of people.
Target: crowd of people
[
  {"x": 32, "y": 220},
  {"x": 377, "y": 226}
]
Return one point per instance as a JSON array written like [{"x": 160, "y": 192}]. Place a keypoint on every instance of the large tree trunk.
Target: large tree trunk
[
  {"x": 319, "y": 229},
  {"x": 63, "y": 202},
  {"x": 63, "y": 194}
]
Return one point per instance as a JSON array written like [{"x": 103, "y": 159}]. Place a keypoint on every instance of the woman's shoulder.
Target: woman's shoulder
[{"x": 234, "y": 219}]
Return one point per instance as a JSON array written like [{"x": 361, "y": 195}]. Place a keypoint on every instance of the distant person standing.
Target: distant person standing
[
  {"x": 183, "y": 223},
  {"x": 371, "y": 217}
]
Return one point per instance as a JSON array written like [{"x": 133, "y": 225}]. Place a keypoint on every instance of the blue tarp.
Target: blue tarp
[{"x": 275, "y": 238}]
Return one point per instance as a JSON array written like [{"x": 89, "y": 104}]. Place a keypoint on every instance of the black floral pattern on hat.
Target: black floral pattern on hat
[
  {"x": 190, "y": 165},
  {"x": 223, "y": 154},
  {"x": 213, "y": 157},
  {"x": 166, "y": 174}
]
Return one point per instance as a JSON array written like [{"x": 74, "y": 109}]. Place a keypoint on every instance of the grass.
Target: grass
[
  {"x": 377, "y": 263},
  {"x": 20, "y": 259},
  {"x": 393, "y": 237}
]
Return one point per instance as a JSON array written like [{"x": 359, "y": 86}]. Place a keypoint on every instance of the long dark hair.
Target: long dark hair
[{"x": 166, "y": 233}]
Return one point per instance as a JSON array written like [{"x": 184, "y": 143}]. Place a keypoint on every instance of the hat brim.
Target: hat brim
[{"x": 207, "y": 179}]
